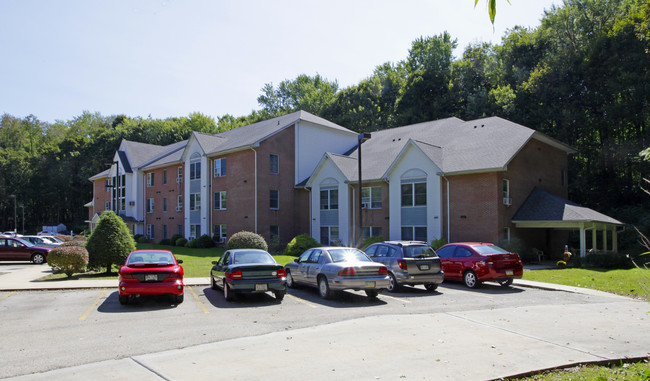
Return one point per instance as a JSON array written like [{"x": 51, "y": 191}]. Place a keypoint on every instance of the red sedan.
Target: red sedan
[
  {"x": 474, "y": 262},
  {"x": 151, "y": 272}
]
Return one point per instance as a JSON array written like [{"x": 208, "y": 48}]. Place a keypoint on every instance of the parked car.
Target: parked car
[
  {"x": 52, "y": 238},
  {"x": 10, "y": 234},
  {"x": 17, "y": 249},
  {"x": 151, "y": 272},
  {"x": 333, "y": 269},
  {"x": 474, "y": 262},
  {"x": 40, "y": 241},
  {"x": 409, "y": 263},
  {"x": 248, "y": 271}
]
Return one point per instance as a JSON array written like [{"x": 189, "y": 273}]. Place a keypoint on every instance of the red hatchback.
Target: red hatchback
[
  {"x": 474, "y": 262},
  {"x": 151, "y": 272}
]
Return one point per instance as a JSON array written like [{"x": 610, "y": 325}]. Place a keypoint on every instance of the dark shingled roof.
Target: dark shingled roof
[{"x": 543, "y": 206}]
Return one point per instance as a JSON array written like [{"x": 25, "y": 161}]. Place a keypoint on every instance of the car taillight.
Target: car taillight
[
  {"x": 383, "y": 271},
  {"x": 126, "y": 276},
  {"x": 402, "y": 264},
  {"x": 282, "y": 273},
  {"x": 173, "y": 276},
  {"x": 234, "y": 275},
  {"x": 348, "y": 271}
]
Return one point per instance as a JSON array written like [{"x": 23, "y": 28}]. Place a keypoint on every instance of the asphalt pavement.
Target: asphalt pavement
[{"x": 468, "y": 345}]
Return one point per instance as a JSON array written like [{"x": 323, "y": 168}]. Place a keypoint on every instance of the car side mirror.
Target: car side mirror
[
  {"x": 215, "y": 262},
  {"x": 179, "y": 261},
  {"x": 297, "y": 260}
]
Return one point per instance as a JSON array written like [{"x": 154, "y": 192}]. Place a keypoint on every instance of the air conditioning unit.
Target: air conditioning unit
[
  {"x": 131, "y": 203},
  {"x": 179, "y": 208},
  {"x": 221, "y": 240},
  {"x": 365, "y": 205},
  {"x": 179, "y": 179},
  {"x": 507, "y": 201}
]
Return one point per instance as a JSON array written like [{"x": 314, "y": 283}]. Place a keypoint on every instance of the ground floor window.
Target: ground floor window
[
  {"x": 414, "y": 233},
  {"x": 219, "y": 232},
  {"x": 195, "y": 231},
  {"x": 274, "y": 231},
  {"x": 370, "y": 231},
  {"x": 180, "y": 230},
  {"x": 149, "y": 230},
  {"x": 329, "y": 235},
  {"x": 164, "y": 231}
]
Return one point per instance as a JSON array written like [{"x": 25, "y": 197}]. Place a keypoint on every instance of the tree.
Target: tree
[
  {"x": 110, "y": 243},
  {"x": 312, "y": 94}
]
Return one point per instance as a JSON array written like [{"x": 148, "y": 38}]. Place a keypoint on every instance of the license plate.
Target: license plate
[
  {"x": 424, "y": 267},
  {"x": 509, "y": 272},
  {"x": 261, "y": 287},
  {"x": 150, "y": 277},
  {"x": 370, "y": 284}
]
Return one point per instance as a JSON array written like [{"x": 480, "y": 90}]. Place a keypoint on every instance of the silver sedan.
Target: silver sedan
[{"x": 333, "y": 269}]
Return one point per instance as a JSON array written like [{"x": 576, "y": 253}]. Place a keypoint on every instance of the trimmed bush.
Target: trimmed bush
[
  {"x": 74, "y": 242},
  {"x": 110, "y": 243},
  {"x": 181, "y": 242},
  {"x": 370, "y": 240},
  {"x": 137, "y": 237},
  {"x": 165, "y": 241},
  {"x": 299, "y": 244},
  {"x": 606, "y": 260},
  {"x": 247, "y": 240},
  {"x": 142, "y": 239},
  {"x": 193, "y": 243},
  {"x": 205, "y": 242},
  {"x": 174, "y": 238},
  {"x": 438, "y": 243},
  {"x": 68, "y": 259}
]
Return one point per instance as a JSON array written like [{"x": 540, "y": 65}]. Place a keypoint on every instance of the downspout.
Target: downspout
[
  {"x": 448, "y": 215},
  {"x": 354, "y": 215},
  {"x": 210, "y": 195},
  {"x": 255, "y": 195},
  {"x": 311, "y": 230}
]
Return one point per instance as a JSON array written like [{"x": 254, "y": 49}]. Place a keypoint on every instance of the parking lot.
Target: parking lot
[{"x": 51, "y": 329}]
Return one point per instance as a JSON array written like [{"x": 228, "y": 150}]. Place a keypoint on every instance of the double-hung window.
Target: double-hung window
[
  {"x": 274, "y": 166},
  {"x": 164, "y": 175},
  {"x": 220, "y": 200},
  {"x": 179, "y": 203},
  {"x": 195, "y": 170},
  {"x": 220, "y": 232},
  {"x": 220, "y": 167},
  {"x": 164, "y": 209},
  {"x": 150, "y": 205},
  {"x": 274, "y": 199},
  {"x": 329, "y": 199},
  {"x": 414, "y": 194},
  {"x": 371, "y": 197},
  {"x": 195, "y": 201},
  {"x": 179, "y": 176},
  {"x": 150, "y": 179}
]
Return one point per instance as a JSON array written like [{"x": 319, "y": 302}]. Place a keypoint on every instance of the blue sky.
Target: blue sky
[{"x": 169, "y": 58}]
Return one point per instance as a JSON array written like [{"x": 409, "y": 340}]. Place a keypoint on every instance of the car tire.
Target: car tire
[
  {"x": 324, "y": 287},
  {"x": 227, "y": 293},
  {"x": 38, "y": 258},
  {"x": 372, "y": 293},
  {"x": 279, "y": 295},
  {"x": 431, "y": 286},
  {"x": 214, "y": 284},
  {"x": 392, "y": 283},
  {"x": 124, "y": 299},
  {"x": 470, "y": 279},
  {"x": 290, "y": 282},
  {"x": 178, "y": 299},
  {"x": 506, "y": 282}
]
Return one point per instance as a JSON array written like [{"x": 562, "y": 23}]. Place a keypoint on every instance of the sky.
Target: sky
[{"x": 170, "y": 58}]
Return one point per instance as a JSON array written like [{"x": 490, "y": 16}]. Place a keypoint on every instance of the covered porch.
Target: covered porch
[{"x": 543, "y": 210}]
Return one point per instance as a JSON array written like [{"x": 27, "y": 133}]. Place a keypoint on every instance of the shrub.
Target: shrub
[
  {"x": 74, "y": 242},
  {"x": 275, "y": 246},
  {"x": 181, "y": 242},
  {"x": 205, "y": 241},
  {"x": 174, "y": 238},
  {"x": 438, "y": 243},
  {"x": 165, "y": 241},
  {"x": 137, "y": 237},
  {"x": 300, "y": 244},
  {"x": 247, "y": 240},
  {"x": 609, "y": 260},
  {"x": 370, "y": 240},
  {"x": 142, "y": 239},
  {"x": 193, "y": 243},
  {"x": 110, "y": 243},
  {"x": 68, "y": 259}
]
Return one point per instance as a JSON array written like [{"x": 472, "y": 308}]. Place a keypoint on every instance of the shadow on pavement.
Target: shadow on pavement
[
  {"x": 340, "y": 299},
  {"x": 484, "y": 288},
  {"x": 216, "y": 298},
  {"x": 141, "y": 304}
]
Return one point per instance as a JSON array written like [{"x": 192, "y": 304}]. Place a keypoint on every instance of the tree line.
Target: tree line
[{"x": 580, "y": 77}]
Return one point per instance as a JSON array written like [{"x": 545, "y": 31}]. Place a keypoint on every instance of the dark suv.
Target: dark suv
[{"x": 408, "y": 262}]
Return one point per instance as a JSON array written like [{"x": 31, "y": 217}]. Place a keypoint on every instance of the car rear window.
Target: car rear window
[
  {"x": 154, "y": 257},
  {"x": 253, "y": 257},
  {"x": 419, "y": 252},
  {"x": 488, "y": 249},
  {"x": 344, "y": 255}
]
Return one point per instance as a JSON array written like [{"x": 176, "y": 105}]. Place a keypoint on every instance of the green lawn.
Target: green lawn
[
  {"x": 629, "y": 372},
  {"x": 632, "y": 282}
]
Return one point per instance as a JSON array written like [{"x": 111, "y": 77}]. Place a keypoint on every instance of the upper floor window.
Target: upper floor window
[
  {"x": 150, "y": 179},
  {"x": 274, "y": 166},
  {"x": 195, "y": 201},
  {"x": 164, "y": 206},
  {"x": 506, "y": 188},
  {"x": 107, "y": 185},
  {"x": 371, "y": 197},
  {"x": 164, "y": 174},
  {"x": 150, "y": 205},
  {"x": 107, "y": 205},
  {"x": 329, "y": 199},
  {"x": 179, "y": 177},
  {"x": 220, "y": 167},
  {"x": 179, "y": 203},
  {"x": 370, "y": 231},
  {"x": 220, "y": 200},
  {"x": 414, "y": 194},
  {"x": 195, "y": 170},
  {"x": 274, "y": 199}
]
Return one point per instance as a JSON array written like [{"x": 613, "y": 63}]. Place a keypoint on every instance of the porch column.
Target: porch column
[
  {"x": 605, "y": 239},
  {"x": 594, "y": 238},
  {"x": 583, "y": 242},
  {"x": 615, "y": 240}
]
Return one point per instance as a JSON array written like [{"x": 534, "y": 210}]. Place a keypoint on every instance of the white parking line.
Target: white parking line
[
  {"x": 198, "y": 301},
  {"x": 301, "y": 301},
  {"x": 394, "y": 298},
  {"x": 92, "y": 306}
]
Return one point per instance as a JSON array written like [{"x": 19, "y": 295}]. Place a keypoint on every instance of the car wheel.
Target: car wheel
[
  {"x": 372, "y": 293},
  {"x": 227, "y": 294},
  {"x": 392, "y": 283},
  {"x": 279, "y": 295},
  {"x": 431, "y": 286},
  {"x": 214, "y": 284},
  {"x": 179, "y": 298},
  {"x": 290, "y": 282},
  {"x": 470, "y": 279},
  {"x": 324, "y": 287},
  {"x": 124, "y": 299},
  {"x": 38, "y": 258},
  {"x": 506, "y": 282}
]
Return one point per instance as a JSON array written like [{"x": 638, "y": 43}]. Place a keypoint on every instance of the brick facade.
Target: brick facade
[{"x": 160, "y": 190}]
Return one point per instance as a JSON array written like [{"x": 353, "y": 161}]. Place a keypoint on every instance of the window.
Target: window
[
  {"x": 180, "y": 230},
  {"x": 179, "y": 177},
  {"x": 119, "y": 190},
  {"x": 107, "y": 185},
  {"x": 506, "y": 234},
  {"x": 274, "y": 199},
  {"x": 506, "y": 188},
  {"x": 414, "y": 194},
  {"x": 149, "y": 179},
  {"x": 195, "y": 231},
  {"x": 274, "y": 231},
  {"x": 164, "y": 231},
  {"x": 370, "y": 231},
  {"x": 274, "y": 164},
  {"x": 107, "y": 205},
  {"x": 179, "y": 203},
  {"x": 149, "y": 230},
  {"x": 195, "y": 170},
  {"x": 329, "y": 199},
  {"x": 164, "y": 180},
  {"x": 150, "y": 205},
  {"x": 329, "y": 234},
  {"x": 219, "y": 200},
  {"x": 414, "y": 233},
  {"x": 164, "y": 204},
  {"x": 220, "y": 167},
  {"x": 195, "y": 201},
  {"x": 220, "y": 232},
  {"x": 371, "y": 197}
]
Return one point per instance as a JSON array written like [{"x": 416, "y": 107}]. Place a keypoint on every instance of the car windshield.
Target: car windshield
[
  {"x": 253, "y": 257},
  {"x": 348, "y": 255},
  {"x": 26, "y": 243},
  {"x": 45, "y": 240},
  {"x": 488, "y": 249},
  {"x": 419, "y": 252},
  {"x": 158, "y": 258}
]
